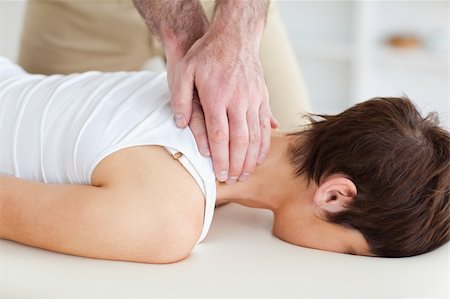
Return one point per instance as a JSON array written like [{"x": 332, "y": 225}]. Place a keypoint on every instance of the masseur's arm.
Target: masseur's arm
[{"x": 222, "y": 62}]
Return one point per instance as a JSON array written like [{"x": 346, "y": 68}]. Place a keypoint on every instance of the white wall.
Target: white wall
[
  {"x": 342, "y": 52},
  {"x": 323, "y": 34},
  {"x": 11, "y": 15}
]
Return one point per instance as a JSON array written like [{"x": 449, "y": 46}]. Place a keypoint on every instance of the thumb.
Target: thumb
[
  {"x": 181, "y": 99},
  {"x": 273, "y": 122}
]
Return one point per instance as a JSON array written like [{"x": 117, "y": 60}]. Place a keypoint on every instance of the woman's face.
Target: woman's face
[{"x": 306, "y": 229}]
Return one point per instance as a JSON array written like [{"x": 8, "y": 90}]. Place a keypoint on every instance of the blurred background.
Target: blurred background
[
  {"x": 354, "y": 50},
  {"x": 348, "y": 51}
]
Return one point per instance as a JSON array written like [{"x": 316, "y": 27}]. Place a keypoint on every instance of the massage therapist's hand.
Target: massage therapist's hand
[
  {"x": 225, "y": 69},
  {"x": 216, "y": 78},
  {"x": 233, "y": 95}
]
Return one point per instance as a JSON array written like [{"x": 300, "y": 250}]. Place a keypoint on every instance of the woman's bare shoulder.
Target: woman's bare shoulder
[
  {"x": 150, "y": 171},
  {"x": 150, "y": 167}
]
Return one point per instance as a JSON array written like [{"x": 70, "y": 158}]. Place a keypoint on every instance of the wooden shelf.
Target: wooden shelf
[{"x": 418, "y": 59}]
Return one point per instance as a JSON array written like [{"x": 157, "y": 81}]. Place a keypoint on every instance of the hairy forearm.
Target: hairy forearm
[
  {"x": 240, "y": 21},
  {"x": 177, "y": 24}
]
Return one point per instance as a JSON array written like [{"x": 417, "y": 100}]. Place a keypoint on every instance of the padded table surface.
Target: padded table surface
[{"x": 239, "y": 258}]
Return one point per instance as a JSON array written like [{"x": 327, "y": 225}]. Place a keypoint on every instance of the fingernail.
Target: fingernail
[
  {"x": 244, "y": 176},
  {"x": 231, "y": 180},
  {"x": 261, "y": 158},
  {"x": 180, "y": 121},
  {"x": 223, "y": 175}
]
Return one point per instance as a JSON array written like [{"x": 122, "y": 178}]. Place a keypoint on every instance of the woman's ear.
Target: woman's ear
[{"x": 334, "y": 195}]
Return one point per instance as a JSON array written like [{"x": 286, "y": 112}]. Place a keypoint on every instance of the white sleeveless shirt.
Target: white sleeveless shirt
[{"x": 56, "y": 129}]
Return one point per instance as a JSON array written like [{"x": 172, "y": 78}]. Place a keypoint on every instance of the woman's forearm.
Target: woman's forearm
[{"x": 62, "y": 218}]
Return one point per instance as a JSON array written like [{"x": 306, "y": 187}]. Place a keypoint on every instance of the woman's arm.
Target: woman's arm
[
  {"x": 115, "y": 221},
  {"x": 86, "y": 221}
]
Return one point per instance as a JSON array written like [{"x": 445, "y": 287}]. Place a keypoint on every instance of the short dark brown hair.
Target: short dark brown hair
[{"x": 399, "y": 162}]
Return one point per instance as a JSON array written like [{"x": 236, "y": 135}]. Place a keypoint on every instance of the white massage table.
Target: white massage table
[{"x": 239, "y": 258}]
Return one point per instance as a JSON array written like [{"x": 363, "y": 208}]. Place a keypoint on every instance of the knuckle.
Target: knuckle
[
  {"x": 219, "y": 135},
  {"x": 240, "y": 137},
  {"x": 214, "y": 116},
  {"x": 236, "y": 123},
  {"x": 255, "y": 136},
  {"x": 265, "y": 122},
  {"x": 179, "y": 100},
  {"x": 238, "y": 107}
]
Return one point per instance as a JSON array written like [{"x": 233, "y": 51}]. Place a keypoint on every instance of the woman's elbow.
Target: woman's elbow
[
  {"x": 171, "y": 248},
  {"x": 167, "y": 238}
]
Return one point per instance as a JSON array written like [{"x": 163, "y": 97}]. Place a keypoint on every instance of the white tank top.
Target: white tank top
[{"x": 56, "y": 129}]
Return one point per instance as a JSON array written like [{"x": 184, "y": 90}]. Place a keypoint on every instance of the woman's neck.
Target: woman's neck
[{"x": 271, "y": 184}]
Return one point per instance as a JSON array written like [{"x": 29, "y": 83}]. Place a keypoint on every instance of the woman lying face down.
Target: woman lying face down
[{"x": 373, "y": 180}]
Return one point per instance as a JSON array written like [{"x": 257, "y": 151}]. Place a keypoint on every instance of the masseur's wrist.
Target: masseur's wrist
[
  {"x": 176, "y": 46},
  {"x": 240, "y": 24},
  {"x": 176, "y": 24},
  {"x": 175, "y": 49}
]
